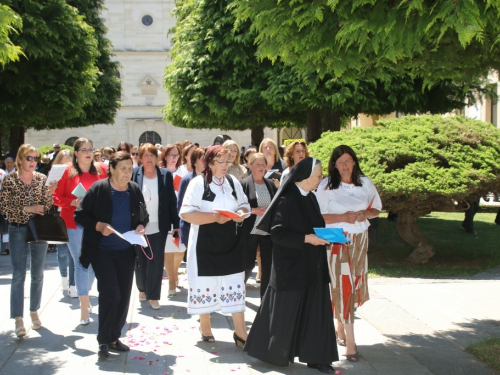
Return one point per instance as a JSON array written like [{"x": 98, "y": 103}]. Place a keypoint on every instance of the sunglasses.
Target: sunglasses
[
  {"x": 32, "y": 158},
  {"x": 135, "y": 154}
]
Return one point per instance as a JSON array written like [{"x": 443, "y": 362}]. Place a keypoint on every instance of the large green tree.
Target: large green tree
[
  {"x": 10, "y": 23},
  {"x": 433, "y": 40},
  {"x": 66, "y": 77},
  {"x": 422, "y": 164},
  {"x": 214, "y": 80}
]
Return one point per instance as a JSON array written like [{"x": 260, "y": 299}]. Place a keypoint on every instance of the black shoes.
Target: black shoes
[
  {"x": 238, "y": 340},
  {"x": 103, "y": 351},
  {"x": 326, "y": 369},
  {"x": 119, "y": 346}
]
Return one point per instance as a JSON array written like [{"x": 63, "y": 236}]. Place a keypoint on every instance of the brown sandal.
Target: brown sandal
[
  {"x": 352, "y": 357},
  {"x": 341, "y": 342}
]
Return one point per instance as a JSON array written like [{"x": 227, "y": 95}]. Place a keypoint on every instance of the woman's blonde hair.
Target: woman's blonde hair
[
  {"x": 24, "y": 150},
  {"x": 230, "y": 142},
  {"x": 61, "y": 154},
  {"x": 255, "y": 156},
  {"x": 276, "y": 151}
]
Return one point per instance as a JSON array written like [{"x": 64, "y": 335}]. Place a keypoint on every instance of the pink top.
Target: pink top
[{"x": 63, "y": 196}]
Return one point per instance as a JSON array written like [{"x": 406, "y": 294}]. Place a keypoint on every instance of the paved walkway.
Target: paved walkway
[{"x": 410, "y": 327}]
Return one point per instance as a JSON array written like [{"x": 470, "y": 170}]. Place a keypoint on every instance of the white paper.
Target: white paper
[
  {"x": 131, "y": 237},
  {"x": 56, "y": 172},
  {"x": 134, "y": 238}
]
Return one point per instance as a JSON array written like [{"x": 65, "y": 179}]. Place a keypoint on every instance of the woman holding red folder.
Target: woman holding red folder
[{"x": 347, "y": 199}]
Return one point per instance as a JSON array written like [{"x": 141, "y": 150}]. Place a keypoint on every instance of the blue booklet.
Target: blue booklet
[{"x": 332, "y": 235}]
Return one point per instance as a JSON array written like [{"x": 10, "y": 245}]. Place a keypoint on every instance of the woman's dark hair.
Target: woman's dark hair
[
  {"x": 116, "y": 158},
  {"x": 166, "y": 150},
  {"x": 333, "y": 173},
  {"x": 185, "y": 151},
  {"x": 76, "y": 169},
  {"x": 197, "y": 153},
  {"x": 124, "y": 144}
]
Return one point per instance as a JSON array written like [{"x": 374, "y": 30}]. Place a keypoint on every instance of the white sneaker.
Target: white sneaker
[
  {"x": 64, "y": 283},
  {"x": 72, "y": 292}
]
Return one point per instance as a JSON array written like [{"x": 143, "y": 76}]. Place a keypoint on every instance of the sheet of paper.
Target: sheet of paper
[
  {"x": 134, "y": 238},
  {"x": 131, "y": 237},
  {"x": 79, "y": 191},
  {"x": 55, "y": 173}
]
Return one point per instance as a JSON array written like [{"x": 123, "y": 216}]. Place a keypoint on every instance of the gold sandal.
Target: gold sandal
[
  {"x": 20, "y": 330},
  {"x": 35, "y": 320}
]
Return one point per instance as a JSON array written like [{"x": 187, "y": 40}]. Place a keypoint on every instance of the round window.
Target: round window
[{"x": 147, "y": 20}]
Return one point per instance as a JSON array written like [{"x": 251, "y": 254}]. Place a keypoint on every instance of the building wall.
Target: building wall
[{"x": 143, "y": 53}]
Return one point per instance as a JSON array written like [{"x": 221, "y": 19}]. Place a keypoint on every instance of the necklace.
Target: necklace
[{"x": 218, "y": 181}]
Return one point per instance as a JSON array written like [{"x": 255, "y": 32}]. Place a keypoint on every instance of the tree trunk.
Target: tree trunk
[
  {"x": 331, "y": 120},
  {"x": 314, "y": 125},
  {"x": 257, "y": 135},
  {"x": 408, "y": 230},
  {"x": 16, "y": 139}
]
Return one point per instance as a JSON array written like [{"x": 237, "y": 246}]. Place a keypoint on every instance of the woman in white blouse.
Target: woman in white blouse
[{"x": 347, "y": 199}]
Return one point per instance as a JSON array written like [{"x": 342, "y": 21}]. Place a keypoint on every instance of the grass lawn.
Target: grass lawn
[
  {"x": 487, "y": 351},
  {"x": 457, "y": 252}
]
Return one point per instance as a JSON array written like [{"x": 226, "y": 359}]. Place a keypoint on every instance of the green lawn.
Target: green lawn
[
  {"x": 457, "y": 252},
  {"x": 487, "y": 351}
]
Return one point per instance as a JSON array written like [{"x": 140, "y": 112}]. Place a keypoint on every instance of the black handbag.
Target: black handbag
[
  {"x": 4, "y": 225},
  {"x": 48, "y": 228}
]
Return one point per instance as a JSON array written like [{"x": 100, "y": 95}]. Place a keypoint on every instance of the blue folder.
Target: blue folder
[{"x": 331, "y": 234}]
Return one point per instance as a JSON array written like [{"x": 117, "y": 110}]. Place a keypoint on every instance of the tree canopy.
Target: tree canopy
[
  {"x": 10, "y": 23},
  {"x": 422, "y": 164},
  {"x": 66, "y": 77},
  {"x": 433, "y": 40},
  {"x": 215, "y": 80}
]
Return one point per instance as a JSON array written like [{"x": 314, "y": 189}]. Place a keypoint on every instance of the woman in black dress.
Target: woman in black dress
[{"x": 295, "y": 317}]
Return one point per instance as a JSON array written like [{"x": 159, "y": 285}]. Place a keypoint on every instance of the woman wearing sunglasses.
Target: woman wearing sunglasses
[{"x": 24, "y": 194}]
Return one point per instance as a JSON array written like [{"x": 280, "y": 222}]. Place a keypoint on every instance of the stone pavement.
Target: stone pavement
[{"x": 410, "y": 327}]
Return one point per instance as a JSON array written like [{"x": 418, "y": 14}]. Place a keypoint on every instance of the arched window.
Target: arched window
[
  {"x": 150, "y": 137},
  {"x": 290, "y": 133},
  {"x": 71, "y": 141}
]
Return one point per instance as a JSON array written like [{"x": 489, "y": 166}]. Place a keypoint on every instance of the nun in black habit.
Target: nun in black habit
[{"x": 295, "y": 316}]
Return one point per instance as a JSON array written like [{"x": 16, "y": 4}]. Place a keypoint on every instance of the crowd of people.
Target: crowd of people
[{"x": 214, "y": 208}]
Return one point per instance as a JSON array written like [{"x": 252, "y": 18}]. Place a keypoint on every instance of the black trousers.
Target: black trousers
[
  {"x": 468, "y": 223},
  {"x": 149, "y": 273},
  {"x": 114, "y": 271},
  {"x": 266, "y": 257}
]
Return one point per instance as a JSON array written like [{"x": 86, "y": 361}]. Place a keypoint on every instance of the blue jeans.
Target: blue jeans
[
  {"x": 18, "y": 255},
  {"x": 64, "y": 259},
  {"x": 84, "y": 277}
]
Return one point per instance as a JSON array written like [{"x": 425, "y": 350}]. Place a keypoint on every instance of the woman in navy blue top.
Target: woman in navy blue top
[{"x": 110, "y": 205}]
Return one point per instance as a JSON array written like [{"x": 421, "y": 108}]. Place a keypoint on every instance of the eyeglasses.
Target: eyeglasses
[
  {"x": 32, "y": 158},
  {"x": 173, "y": 156},
  {"x": 135, "y": 154},
  {"x": 223, "y": 162},
  {"x": 87, "y": 150},
  {"x": 260, "y": 165},
  {"x": 56, "y": 147}
]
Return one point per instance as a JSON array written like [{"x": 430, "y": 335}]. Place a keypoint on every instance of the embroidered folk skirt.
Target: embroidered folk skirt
[
  {"x": 348, "y": 266},
  {"x": 208, "y": 294}
]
